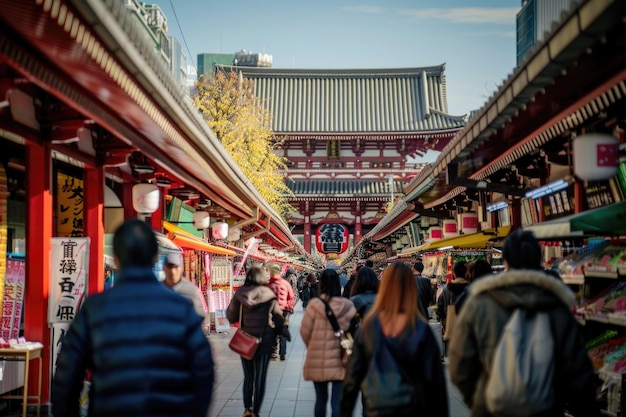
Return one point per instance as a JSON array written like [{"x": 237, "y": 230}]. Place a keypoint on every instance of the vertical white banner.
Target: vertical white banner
[{"x": 69, "y": 264}]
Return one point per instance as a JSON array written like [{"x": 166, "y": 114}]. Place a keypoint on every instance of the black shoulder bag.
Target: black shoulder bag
[{"x": 345, "y": 338}]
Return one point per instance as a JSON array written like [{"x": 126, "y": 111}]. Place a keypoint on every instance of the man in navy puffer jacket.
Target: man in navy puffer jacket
[{"x": 142, "y": 342}]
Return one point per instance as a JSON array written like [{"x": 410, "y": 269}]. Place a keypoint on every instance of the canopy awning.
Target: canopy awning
[
  {"x": 473, "y": 240},
  {"x": 187, "y": 241},
  {"x": 607, "y": 220}
]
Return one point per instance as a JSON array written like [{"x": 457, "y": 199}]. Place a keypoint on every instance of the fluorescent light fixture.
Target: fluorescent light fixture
[
  {"x": 547, "y": 189},
  {"x": 497, "y": 206},
  {"x": 446, "y": 247}
]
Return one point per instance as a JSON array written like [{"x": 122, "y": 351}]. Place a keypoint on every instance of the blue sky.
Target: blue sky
[{"x": 474, "y": 38}]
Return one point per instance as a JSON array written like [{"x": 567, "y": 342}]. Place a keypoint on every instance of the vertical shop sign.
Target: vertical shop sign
[
  {"x": 69, "y": 205},
  {"x": 69, "y": 263},
  {"x": 13, "y": 300}
]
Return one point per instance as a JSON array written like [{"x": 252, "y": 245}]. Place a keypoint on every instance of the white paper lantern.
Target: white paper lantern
[
  {"x": 219, "y": 230},
  {"x": 450, "y": 228},
  {"x": 234, "y": 234},
  {"x": 469, "y": 222},
  {"x": 146, "y": 198},
  {"x": 436, "y": 233},
  {"x": 595, "y": 156},
  {"x": 201, "y": 220}
]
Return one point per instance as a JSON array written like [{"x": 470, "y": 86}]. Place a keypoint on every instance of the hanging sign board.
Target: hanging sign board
[{"x": 69, "y": 263}]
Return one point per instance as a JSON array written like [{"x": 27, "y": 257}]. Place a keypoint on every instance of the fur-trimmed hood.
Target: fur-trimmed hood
[{"x": 527, "y": 287}]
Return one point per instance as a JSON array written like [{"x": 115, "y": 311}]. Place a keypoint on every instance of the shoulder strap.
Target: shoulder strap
[{"x": 331, "y": 317}]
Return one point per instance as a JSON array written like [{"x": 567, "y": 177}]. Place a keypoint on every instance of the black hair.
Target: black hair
[
  {"x": 135, "y": 244},
  {"x": 366, "y": 280},
  {"x": 329, "y": 283},
  {"x": 369, "y": 263},
  {"x": 521, "y": 250},
  {"x": 459, "y": 269},
  {"x": 255, "y": 276},
  {"x": 481, "y": 269},
  {"x": 418, "y": 266}
]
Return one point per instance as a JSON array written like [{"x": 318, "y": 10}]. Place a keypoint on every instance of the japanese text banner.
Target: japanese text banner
[{"x": 69, "y": 263}]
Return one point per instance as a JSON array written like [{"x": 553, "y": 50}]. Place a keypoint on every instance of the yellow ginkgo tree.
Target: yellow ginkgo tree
[{"x": 244, "y": 129}]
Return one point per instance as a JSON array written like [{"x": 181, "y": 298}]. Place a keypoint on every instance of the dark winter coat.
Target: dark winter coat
[
  {"x": 424, "y": 293},
  {"x": 481, "y": 323},
  {"x": 419, "y": 350},
  {"x": 261, "y": 315},
  {"x": 363, "y": 302},
  {"x": 146, "y": 349}
]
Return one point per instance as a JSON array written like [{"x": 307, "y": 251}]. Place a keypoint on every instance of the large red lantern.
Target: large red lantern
[{"x": 332, "y": 238}]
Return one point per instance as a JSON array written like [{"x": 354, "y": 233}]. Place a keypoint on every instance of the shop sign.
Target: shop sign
[
  {"x": 69, "y": 206},
  {"x": 13, "y": 299},
  {"x": 332, "y": 238},
  {"x": 69, "y": 263}
]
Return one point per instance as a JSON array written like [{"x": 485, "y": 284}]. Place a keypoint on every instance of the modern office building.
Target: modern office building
[{"x": 535, "y": 20}]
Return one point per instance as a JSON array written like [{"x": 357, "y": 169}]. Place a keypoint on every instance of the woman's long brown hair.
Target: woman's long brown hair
[{"x": 397, "y": 294}]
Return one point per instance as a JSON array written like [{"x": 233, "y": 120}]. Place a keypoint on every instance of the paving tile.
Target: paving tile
[{"x": 287, "y": 393}]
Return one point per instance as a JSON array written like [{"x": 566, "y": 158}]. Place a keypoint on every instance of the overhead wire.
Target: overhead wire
[{"x": 182, "y": 34}]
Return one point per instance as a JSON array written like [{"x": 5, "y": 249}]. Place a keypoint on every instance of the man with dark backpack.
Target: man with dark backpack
[{"x": 517, "y": 349}]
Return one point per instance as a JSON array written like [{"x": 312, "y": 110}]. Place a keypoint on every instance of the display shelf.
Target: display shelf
[
  {"x": 573, "y": 279},
  {"x": 618, "y": 321},
  {"x": 601, "y": 274},
  {"x": 599, "y": 319}
]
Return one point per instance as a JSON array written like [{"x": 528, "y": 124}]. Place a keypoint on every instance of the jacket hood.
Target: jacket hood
[
  {"x": 254, "y": 295},
  {"x": 526, "y": 287}
]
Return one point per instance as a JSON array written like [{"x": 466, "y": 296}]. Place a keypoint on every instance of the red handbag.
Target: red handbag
[{"x": 243, "y": 342}]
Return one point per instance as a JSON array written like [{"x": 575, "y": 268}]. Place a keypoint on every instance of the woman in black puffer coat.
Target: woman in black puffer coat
[{"x": 262, "y": 318}]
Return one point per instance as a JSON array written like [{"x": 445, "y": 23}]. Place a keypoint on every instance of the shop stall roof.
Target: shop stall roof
[
  {"x": 187, "y": 241},
  {"x": 608, "y": 220},
  {"x": 165, "y": 244},
  {"x": 477, "y": 240}
]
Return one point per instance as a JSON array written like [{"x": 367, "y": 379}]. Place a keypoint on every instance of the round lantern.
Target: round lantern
[
  {"x": 201, "y": 220},
  {"x": 450, "y": 228},
  {"x": 595, "y": 156},
  {"x": 219, "y": 230},
  {"x": 146, "y": 198},
  {"x": 469, "y": 222},
  {"x": 436, "y": 233},
  {"x": 332, "y": 238},
  {"x": 234, "y": 234}
]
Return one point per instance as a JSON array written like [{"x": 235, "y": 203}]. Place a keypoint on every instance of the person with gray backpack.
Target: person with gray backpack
[{"x": 518, "y": 350}]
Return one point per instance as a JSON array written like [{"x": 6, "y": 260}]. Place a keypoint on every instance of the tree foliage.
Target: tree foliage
[{"x": 244, "y": 129}]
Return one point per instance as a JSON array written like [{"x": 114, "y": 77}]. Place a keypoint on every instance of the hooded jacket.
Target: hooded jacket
[
  {"x": 283, "y": 291},
  {"x": 261, "y": 315},
  {"x": 145, "y": 348},
  {"x": 323, "y": 354},
  {"x": 482, "y": 321}
]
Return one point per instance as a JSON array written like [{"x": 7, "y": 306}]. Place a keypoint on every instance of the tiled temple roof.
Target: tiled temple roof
[
  {"x": 342, "y": 188},
  {"x": 353, "y": 100}
]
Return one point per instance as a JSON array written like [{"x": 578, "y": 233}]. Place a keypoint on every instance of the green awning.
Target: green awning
[{"x": 608, "y": 220}]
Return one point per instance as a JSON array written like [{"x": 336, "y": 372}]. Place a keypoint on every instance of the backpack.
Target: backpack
[
  {"x": 521, "y": 382},
  {"x": 388, "y": 388}
]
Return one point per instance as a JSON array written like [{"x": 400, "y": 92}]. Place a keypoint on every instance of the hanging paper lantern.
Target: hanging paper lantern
[
  {"x": 201, "y": 220},
  {"x": 332, "y": 238},
  {"x": 596, "y": 156},
  {"x": 234, "y": 234},
  {"x": 436, "y": 233},
  {"x": 146, "y": 198},
  {"x": 450, "y": 228},
  {"x": 219, "y": 230},
  {"x": 469, "y": 222}
]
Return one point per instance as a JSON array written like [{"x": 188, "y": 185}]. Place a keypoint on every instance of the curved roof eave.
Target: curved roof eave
[{"x": 110, "y": 43}]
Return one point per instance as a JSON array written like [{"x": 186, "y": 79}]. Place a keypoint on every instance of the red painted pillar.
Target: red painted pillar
[
  {"x": 39, "y": 229},
  {"x": 579, "y": 193},
  {"x": 94, "y": 227},
  {"x": 358, "y": 229},
  {"x": 127, "y": 201},
  {"x": 516, "y": 213},
  {"x": 307, "y": 234}
]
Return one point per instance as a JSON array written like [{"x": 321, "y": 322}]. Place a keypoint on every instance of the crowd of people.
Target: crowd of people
[{"x": 142, "y": 343}]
